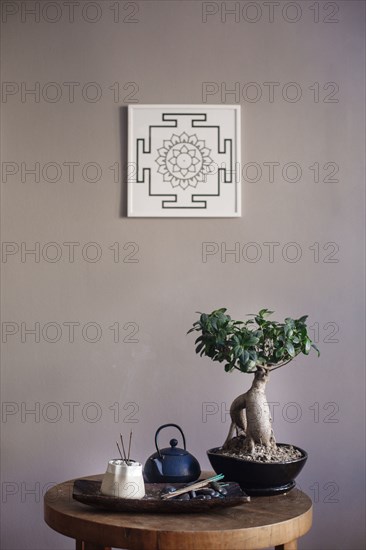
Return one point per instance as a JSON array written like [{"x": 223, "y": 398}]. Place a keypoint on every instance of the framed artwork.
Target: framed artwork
[{"x": 184, "y": 161}]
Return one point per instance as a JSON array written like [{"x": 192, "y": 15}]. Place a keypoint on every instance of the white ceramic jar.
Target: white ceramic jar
[{"x": 123, "y": 480}]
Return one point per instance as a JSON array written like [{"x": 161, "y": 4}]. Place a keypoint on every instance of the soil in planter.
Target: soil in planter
[{"x": 284, "y": 453}]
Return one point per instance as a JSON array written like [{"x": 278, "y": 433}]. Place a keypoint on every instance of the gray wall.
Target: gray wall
[{"x": 159, "y": 282}]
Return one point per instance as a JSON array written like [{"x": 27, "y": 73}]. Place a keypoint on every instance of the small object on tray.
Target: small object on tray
[
  {"x": 88, "y": 492},
  {"x": 123, "y": 478},
  {"x": 219, "y": 488},
  {"x": 191, "y": 488},
  {"x": 171, "y": 464}
]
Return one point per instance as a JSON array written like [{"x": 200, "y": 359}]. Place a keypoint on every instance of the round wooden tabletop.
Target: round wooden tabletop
[{"x": 264, "y": 521}]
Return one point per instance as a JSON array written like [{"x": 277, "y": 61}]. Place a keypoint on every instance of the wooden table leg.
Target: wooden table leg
[{"x": 287, "y": 546}]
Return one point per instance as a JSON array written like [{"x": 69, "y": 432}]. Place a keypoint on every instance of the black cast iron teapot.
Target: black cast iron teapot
[{"x": 172, "y": 464}]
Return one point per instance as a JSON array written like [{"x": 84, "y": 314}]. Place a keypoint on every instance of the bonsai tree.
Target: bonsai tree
[{"x": 259, "y": 346}]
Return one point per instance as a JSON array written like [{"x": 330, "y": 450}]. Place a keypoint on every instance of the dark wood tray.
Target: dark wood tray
[{"x": 88, "y": 492}]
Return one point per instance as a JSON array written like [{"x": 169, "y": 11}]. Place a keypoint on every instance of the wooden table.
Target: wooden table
[{"x": 264, "y": 522}]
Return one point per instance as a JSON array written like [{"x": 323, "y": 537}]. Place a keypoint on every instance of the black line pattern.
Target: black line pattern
[{"x": 184, "y": 162}]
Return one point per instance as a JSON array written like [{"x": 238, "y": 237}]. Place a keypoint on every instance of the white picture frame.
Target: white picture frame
[{"x": 184, "y": 161}]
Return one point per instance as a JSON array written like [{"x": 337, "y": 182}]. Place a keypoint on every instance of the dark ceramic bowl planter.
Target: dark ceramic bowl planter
[{"x": 258, "y": 478}]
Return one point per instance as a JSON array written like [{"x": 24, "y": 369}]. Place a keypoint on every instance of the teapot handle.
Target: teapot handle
[{"x": 165, "y": 426}]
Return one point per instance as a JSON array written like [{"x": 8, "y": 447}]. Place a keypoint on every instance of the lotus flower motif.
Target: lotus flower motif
[{"x": 184, "y": 160}]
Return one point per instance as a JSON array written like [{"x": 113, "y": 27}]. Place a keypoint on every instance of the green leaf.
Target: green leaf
[
  {"x": 290, "y": 333},
  {"x": 244, "y": 356},
  {"x": 290, "y": 348},
  {"x": 251, "y": 366},
  {"x": 265, "y": 313},
  {"x": 199, "y": 347},
  {"x": 316, "y": 349}
]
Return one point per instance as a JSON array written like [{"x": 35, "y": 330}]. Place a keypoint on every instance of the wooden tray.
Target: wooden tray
[{"x": 88, "y": 492}]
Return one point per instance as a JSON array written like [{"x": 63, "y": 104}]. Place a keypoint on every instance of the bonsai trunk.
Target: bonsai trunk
[{"x": 250, "y": 416}]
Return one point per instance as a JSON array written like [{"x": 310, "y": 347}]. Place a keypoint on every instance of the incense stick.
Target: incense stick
[
  {"x": 129, "y": 448},
  {"x": 119, "y": 450},
  {"x": 123, "y": 447},
  {"x": 193, "y": 487}
]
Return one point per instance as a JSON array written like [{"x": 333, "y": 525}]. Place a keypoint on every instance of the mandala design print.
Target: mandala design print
[{"x": 184, "y": 161}]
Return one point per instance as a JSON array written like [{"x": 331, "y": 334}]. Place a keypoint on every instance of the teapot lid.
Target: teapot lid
[{"x": 173, "y": 450}]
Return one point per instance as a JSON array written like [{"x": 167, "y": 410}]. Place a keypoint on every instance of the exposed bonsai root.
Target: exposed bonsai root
[
  {"x": 238, "y": 418},
  {"x": 237, "y": 447},
  {"x": 250, "y": 416}
]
